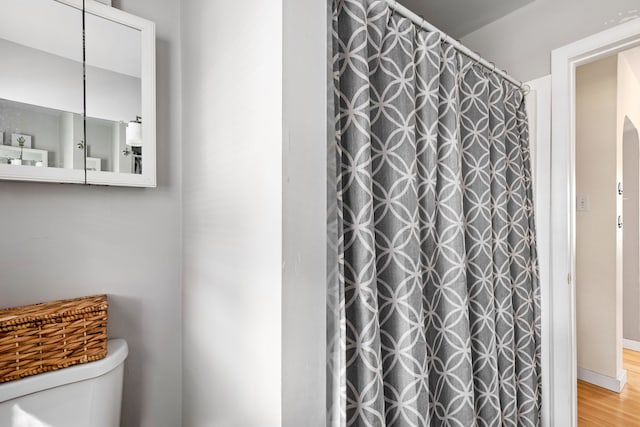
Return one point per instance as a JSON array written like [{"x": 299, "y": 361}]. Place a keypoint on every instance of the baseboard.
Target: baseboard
[
  {"x": 631, "y": 344},
  {"x": 604, "y": 381}
]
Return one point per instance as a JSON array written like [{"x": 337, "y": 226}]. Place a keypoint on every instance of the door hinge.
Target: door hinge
[{"x": 569, "y": 279}]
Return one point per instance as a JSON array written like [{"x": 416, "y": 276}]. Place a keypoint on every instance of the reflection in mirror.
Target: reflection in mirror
[
  {"x": 41, "y": 97},
  {"x": 114, "y": 96}
]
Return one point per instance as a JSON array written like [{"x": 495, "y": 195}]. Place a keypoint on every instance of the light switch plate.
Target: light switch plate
[{"x": 583, "y": 203}]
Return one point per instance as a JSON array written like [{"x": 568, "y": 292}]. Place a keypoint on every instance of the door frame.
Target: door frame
[{"x": 564, "y": 61}]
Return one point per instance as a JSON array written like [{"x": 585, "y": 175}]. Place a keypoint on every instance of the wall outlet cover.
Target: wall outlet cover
[{"x": 583, "y": 203}]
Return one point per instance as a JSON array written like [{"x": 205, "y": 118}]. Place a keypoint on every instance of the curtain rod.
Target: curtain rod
[{"x": 421, "y": 22}]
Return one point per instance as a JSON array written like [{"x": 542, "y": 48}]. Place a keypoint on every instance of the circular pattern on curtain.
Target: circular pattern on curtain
[{"x": 434, "y": 302}]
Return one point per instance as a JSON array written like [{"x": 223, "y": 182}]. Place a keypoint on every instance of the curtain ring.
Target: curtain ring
[
  {"x": 525, "y": 89},
  {"x": 521, "y": 89},
  {"x": 476, "y": 61},
  {"x": 492, "y": 68}
]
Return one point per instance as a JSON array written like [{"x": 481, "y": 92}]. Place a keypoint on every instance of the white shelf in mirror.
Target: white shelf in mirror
[{"x": 30, "y": 155}]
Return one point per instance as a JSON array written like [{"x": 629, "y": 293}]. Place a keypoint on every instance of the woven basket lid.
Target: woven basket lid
[{"x": 29, "y": 314}]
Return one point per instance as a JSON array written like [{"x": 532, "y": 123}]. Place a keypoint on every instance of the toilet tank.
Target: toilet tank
[{"x": 87, "y": 395}]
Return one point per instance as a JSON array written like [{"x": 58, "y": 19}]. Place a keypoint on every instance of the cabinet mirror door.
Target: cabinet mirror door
[
  {"x": 41, "y": 91},
  {"x": 120, "y": 141}
]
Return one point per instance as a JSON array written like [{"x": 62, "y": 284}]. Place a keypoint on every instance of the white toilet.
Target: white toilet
[{"x": 79, "y": 396}]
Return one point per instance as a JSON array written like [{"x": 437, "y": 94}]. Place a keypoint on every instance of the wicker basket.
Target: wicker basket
[{"x": 45, "y": 337}]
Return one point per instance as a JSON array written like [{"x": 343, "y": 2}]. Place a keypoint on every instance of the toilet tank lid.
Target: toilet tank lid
[{"x": 117, "y": 352}]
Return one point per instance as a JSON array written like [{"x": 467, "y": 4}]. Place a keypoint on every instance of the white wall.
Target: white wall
[
  {"x": 522, "y": 41},
  {"x": 232, "y": 190},
  {"x": 59, "y": 36},
  {"x": 51, "y": 81},
  {"x": 71, "y": 133},
  {"x": 113, "y": 96},
  {"x": 40, "y": 78},
  {"x": 254, "y": 213},
  {"x": 100, "y": 143},
  {"x": 596, "y": 230},
  {"x": 304, "y": 220},
  {"x": 60, "y": 241}
]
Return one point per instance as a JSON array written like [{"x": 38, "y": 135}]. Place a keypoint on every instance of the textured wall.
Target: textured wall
[{"x": 232, "y": 97}]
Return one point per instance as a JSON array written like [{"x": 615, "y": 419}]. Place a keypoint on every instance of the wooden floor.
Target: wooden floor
[{"x": 603, "y": 408}]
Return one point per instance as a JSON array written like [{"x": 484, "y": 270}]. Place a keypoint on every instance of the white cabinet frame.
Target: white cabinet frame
[{"x": 148, "y": 93}]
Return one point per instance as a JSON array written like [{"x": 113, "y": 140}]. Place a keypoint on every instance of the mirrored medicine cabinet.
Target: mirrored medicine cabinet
[{"x": 76, "y": 109}]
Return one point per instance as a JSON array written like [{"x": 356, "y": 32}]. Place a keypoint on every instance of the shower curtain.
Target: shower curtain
[{"x": 434, "y": 304}]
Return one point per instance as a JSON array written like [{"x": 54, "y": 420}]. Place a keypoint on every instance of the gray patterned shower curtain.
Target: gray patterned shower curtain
[{"x": 434, "y": 304}]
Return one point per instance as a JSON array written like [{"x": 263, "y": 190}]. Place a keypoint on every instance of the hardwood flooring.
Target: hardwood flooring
[{"x": 599, "y": 407}]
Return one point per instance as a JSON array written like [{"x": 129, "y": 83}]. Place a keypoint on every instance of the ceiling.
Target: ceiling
[{"x": 458, "y": 18}]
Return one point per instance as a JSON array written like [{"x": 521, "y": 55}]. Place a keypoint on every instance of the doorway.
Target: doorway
[
  {"x": 607, "y": 249},
  {"x": 564, "y": 281}
]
